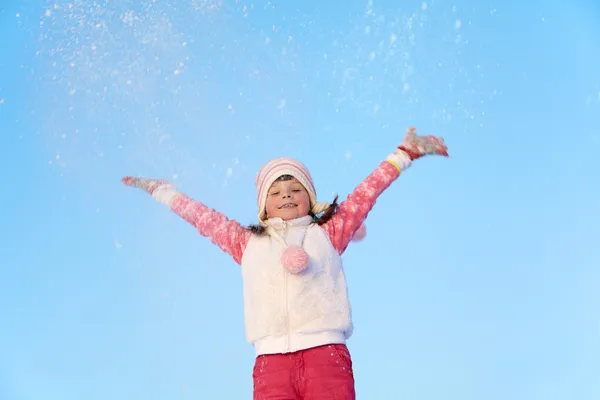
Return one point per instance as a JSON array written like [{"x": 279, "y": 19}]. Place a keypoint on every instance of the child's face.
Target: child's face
[{"x": 287, "y": 200}]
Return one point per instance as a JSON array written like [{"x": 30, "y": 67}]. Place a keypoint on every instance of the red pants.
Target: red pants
[{"x": 320, "y": 373}]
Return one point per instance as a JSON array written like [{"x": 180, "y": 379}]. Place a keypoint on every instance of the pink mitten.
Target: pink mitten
[
  {"x": 161, "y": 190},
  {"x": 148, "y": 185},
  {"x": 419, "y": 146}
]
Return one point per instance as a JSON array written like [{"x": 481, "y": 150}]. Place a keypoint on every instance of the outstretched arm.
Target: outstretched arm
[
  {"x": 354, "y": 210},
  {"x": 229, "y": 235}
]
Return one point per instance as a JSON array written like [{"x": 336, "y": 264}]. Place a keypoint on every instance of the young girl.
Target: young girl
[{"x": 296, "y": 307}]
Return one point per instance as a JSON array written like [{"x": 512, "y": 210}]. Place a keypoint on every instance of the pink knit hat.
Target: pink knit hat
[{"x": 285, "y": 166}]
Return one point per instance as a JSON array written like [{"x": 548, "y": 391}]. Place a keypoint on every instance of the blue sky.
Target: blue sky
[{"x": 479, "y": 276}]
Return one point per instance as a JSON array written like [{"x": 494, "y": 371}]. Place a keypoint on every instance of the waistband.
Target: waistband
[{"x": 297, "y": 341}]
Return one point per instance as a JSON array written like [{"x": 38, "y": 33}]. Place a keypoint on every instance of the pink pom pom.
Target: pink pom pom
[
  {"x": 294, "y": 259},
  {"x": 360, "y": 233}
]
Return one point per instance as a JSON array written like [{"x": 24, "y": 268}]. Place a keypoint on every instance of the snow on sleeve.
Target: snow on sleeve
[
  {"x": 354, "y": 210},
  {"x": 229, "y": 235}
]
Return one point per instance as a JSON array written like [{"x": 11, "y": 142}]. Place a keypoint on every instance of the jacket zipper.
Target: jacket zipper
[{"x": 287, "y": 312}]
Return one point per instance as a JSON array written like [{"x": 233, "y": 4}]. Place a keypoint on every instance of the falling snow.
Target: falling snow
[{"x": 135, "y": 72}]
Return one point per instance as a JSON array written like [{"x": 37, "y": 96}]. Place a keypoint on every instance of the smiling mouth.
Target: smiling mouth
[{"x": 289, "y": 205}]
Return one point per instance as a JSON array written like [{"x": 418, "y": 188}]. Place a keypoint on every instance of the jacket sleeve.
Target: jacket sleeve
[
  {"x": 354, "y": 210},
  {"x": 229, "y": 235}
]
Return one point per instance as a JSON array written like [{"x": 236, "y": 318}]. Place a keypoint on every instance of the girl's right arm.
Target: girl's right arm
[{"x": 228, "y": 234}]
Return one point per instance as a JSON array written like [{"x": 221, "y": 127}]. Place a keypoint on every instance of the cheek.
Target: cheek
[
  {"x": 269, "y": 206},
  {"x": 306, "y": 202}
]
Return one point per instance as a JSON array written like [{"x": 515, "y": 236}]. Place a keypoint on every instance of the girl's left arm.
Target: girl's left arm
[{"x": 354, "y": 210}]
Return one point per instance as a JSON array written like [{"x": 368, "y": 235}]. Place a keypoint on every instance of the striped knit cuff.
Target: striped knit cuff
[
  {"x": 400, "y": 160},
  {"x": 165, "y": 194}
]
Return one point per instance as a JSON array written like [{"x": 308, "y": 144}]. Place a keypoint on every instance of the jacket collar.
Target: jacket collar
[{"x": 279, "y": 224}]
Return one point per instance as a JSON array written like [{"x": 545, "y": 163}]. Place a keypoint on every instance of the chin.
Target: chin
[{"x": 292, "y": 215}]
